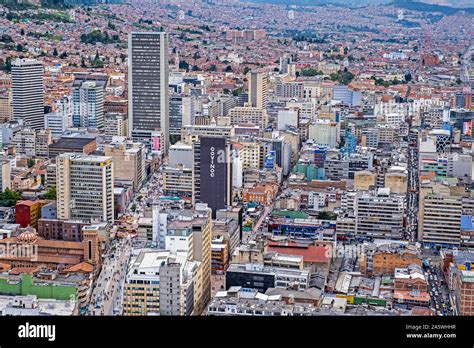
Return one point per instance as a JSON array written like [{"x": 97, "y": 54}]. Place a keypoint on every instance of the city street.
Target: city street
[
  {"x": 106, "y": 298},
  {"x": 413, "y": 189},
  {"x": 439, "y": 292}
]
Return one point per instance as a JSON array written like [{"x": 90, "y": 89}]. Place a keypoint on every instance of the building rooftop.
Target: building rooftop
[{"x": 71, "y": 142}]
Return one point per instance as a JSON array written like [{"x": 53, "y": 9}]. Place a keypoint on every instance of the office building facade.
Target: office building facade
[
  {"x": 28, "y": 92},
  {"x": 85, "y": 187},
  {"x": 148, "y": 85}
]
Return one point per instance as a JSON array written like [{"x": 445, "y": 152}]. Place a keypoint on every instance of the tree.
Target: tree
[
  {"x": 9, "y": 198},
  {"x": 310, "y": 72},
  {"x": 228, "y": 68},
  {"x": 19, "y": 48},
  {"x": 246, "y": 70},
  {"x": 213, "y": 67},
  {"x": 133, "y": 208},
  {"x": 55, "y": 52},
  {"x": 184, "y": 65},
  {"x": 31, "y": 163},
  {"x": 408, "y": 77},
  {"x": 51, "y": 194},
  {"x": 22, "y": 32},
  {"x": 327, "y": 215}
]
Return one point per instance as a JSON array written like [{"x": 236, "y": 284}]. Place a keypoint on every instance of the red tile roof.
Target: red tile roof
[{"x": 310, "y": 253}]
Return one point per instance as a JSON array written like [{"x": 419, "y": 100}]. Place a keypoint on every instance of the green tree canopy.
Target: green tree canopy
[{"x": 9, "y": 198}]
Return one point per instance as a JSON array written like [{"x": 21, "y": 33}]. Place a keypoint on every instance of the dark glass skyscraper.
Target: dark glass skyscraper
[
  {"x": 212, "y": 173},
  {"x": 28, "y": 92},
  {"x": 148, "y": 85}
]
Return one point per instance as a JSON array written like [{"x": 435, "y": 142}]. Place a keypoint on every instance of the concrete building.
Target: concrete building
[
  {"x": 28, "y": 92},
  {"x": 379, "y": 215},
  {"x": 397, "y": 182},
  {"x": 191, "y": 232},
  {"x": 5, "y": 172},
  {"x": 288, "y": 117},
  {"x": 177, "y": 181},
  {"x": 148, "y": 95},
  {"x": 344, "y": 94},
  {"x": 72, "y": 144},
  {"x": 57, "y": 122},
  {"x": 181, "y": 154},
  {"x": 6, "y": 109},
  {"x": 190, "y": 134},
  {"x": 258, "y": 89},
  {"x": 31, "y": 142},
  {"x": 464, "y": 292},
  {"x": 88, "y": 106},
  {"x": 129, "y": 160},
  {"x": 440, "y": 219},
  {"x": 160, "y": 283},
  {"x": 239, "y": 301},
  {"x": 364, "y": 180},
  {"x": 116, "y": 124},
  {"x": 325, "y": 132},
  {"x": 289, "y": 90},
  {"x": 249, "y": 115},
  {"x": 260, "y": 277},
  {"x": 181, "y": 112},
  {"x": 85, "y": 187}
]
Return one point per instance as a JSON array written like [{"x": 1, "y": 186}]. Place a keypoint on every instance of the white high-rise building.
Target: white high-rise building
[
  {"x": 258, "y": 89},
  {"x": 88, "y": 102},
  {"x": 57, "y": 122},
  {"x": 325, "y": 132},
  {"x": 148, "y": 95},
  {"x": 28, "y": 92},
  {"x": 85, "y": 187},
  {"x": 288, "y": 117},
  {"x": 5, "y": 172}
]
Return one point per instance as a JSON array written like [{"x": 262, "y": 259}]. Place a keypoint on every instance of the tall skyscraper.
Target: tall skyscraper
[
  {"x": 148, "y": 86},
  {"x": 258, "y": 89},
  {"x": 28, "y": 92},
  {"x": 85, "y": 187},
  {"x": 212, "y": 173},
  {"x": 88, "y": 105}
]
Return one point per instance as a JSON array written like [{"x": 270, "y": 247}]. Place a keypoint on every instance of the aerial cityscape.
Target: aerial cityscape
[{"x": 236, "y": 158}]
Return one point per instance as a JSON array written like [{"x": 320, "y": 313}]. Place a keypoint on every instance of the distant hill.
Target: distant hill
[
  {"x": 450, "y": 3},
  {"x": 18, "y": 5},
  {"x": 447, "y": 7},
  {"x": 344, "y": 3},
  {"x": 429, "y": 7}
]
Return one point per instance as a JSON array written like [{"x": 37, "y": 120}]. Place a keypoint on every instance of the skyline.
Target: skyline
[{"x": 226, "y": 159}]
